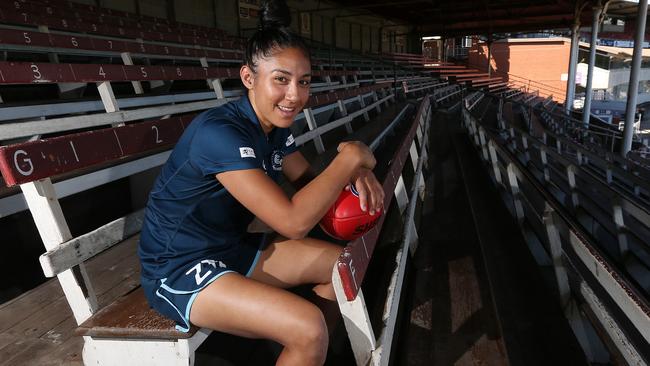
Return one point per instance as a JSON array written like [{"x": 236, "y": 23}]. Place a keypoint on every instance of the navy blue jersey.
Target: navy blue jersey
[{"x": 189, "y": 215}]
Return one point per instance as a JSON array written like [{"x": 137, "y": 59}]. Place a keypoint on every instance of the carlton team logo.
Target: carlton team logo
[{"x": 276, "y": 160}]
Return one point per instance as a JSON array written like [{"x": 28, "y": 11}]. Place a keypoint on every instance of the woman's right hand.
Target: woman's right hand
[{"x": 360, "y": 151}]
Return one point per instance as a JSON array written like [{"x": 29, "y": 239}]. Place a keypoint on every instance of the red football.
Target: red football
[{"x": 345, "y": 220}]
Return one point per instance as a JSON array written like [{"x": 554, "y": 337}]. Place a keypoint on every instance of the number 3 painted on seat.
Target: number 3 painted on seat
[{"x": 36, "y": 72}]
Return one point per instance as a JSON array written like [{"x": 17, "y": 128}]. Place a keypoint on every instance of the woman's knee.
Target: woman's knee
[
  {"x": 331, "y": 253},
  {"x": 311, "y": 335}
]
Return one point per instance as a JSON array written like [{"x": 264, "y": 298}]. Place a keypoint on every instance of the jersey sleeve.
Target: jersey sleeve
[{"x": 221, "y": 147}]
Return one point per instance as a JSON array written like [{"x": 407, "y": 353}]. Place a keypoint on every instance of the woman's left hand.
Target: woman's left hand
[{"x": 371, "y": 192}]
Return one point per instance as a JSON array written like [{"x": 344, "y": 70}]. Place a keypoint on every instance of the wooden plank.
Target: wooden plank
[
  {"x": 24, "y": 352},
  {"x": 110, "y": 269},
  {"x": 131, "y": 317},
  {"x": 95, "y": 73},
  {"x": 24, "y": 38},
  {"x": 29, "y": 128},
  {"x": 61, "y": 332},
  {"x": 26, "y": 162},
  {"x": 42, "y": 321},
  {"x": 67, "y": 41},
  {"x": 446, "y": 67},
  {"x": 5, "y": 340},
  {"x": 327, "y": 98},
  {"x": 15, "y": 348},
  {"x": 458, "y": 71},
  {"x": 468, "y": 76},
  {"x": 114, "y": 273},
  {"x": 40, "y": 72},
  {"x": 79, "y": 249},
  {"x": 115, "y": 45},
  {"x": 22, "y": 307},
  {"x": 68, "y": 354}
]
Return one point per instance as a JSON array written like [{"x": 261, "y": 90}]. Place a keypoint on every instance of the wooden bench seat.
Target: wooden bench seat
[
  {"x": 446, "y": 67},
  {"x": 131, "y": 317},
  {"x": 470, "y": 76},
  {"x": 33, "y": 40},
  {"x": 486, "y": 81},
  {"x": 458, "y": 73},
  {"x": 497, "y": 85}
]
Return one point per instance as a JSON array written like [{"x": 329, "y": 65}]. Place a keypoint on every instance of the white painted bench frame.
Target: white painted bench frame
[
  {"x": 315, "y": 132},
  {"x": 48, "y": 216},
  {"x": 367, "y": 349}
]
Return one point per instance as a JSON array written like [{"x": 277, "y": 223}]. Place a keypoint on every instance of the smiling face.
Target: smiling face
[{"x": 279, "y": 87}]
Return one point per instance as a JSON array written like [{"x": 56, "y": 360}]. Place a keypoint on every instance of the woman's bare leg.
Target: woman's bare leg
[
  {"x": 259, "y": 307},
  {"x": 287, "y": 263},
  {"x": 237, "y": 305}
]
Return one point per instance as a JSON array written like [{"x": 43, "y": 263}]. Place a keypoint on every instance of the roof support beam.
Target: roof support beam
[
  {"x": 496, "y": 25},
  {"x": 494, "y": 14},
  {"x": 633, "y": 85},
  {"x": 595, "y": 22},
  {"x": 573, "y": 61}
]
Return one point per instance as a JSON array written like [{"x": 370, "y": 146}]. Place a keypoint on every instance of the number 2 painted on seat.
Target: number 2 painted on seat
[{"x": 155, "y": 129}]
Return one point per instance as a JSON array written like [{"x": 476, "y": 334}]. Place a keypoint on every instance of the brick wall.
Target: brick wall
[{"x": 543, "y": 61}]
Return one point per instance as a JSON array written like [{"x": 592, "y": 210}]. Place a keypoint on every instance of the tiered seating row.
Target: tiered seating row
[
  {"x": 81, "y": 42},
  {"x": 142, "y": 18},
  {"x": 34, "y": 73},
  {"x": 327, "y": 98},
  {"x": 594, "y": 233},
  {"x": 111, "y": 17},
  {"x": 18, "y": 16},
  {"x": 35, "y": 160}
]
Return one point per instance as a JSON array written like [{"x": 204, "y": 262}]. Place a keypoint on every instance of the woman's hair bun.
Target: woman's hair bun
[{"x": 274, "y": 14}]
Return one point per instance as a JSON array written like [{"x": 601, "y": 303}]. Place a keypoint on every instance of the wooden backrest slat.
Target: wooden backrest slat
[
  {"x": 81, "y": 248},
  {"x": 327, "y": 98},
  {"x": 334, "y": 72},
  {"x": 22, "y": 37},
  {"x": 30, "y": 161},
  {"x": 82, "y": 42},
  {"x": 41, "y": 72}
]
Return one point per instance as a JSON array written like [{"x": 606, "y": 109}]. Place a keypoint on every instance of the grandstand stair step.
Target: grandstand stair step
[{"x": 449, "y": 318}]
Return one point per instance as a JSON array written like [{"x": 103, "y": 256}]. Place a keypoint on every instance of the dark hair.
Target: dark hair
[{"x": 272, "y": 34}]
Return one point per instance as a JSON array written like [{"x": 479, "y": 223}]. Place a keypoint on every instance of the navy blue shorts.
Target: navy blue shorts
[{"x": 173, "y": 296}]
